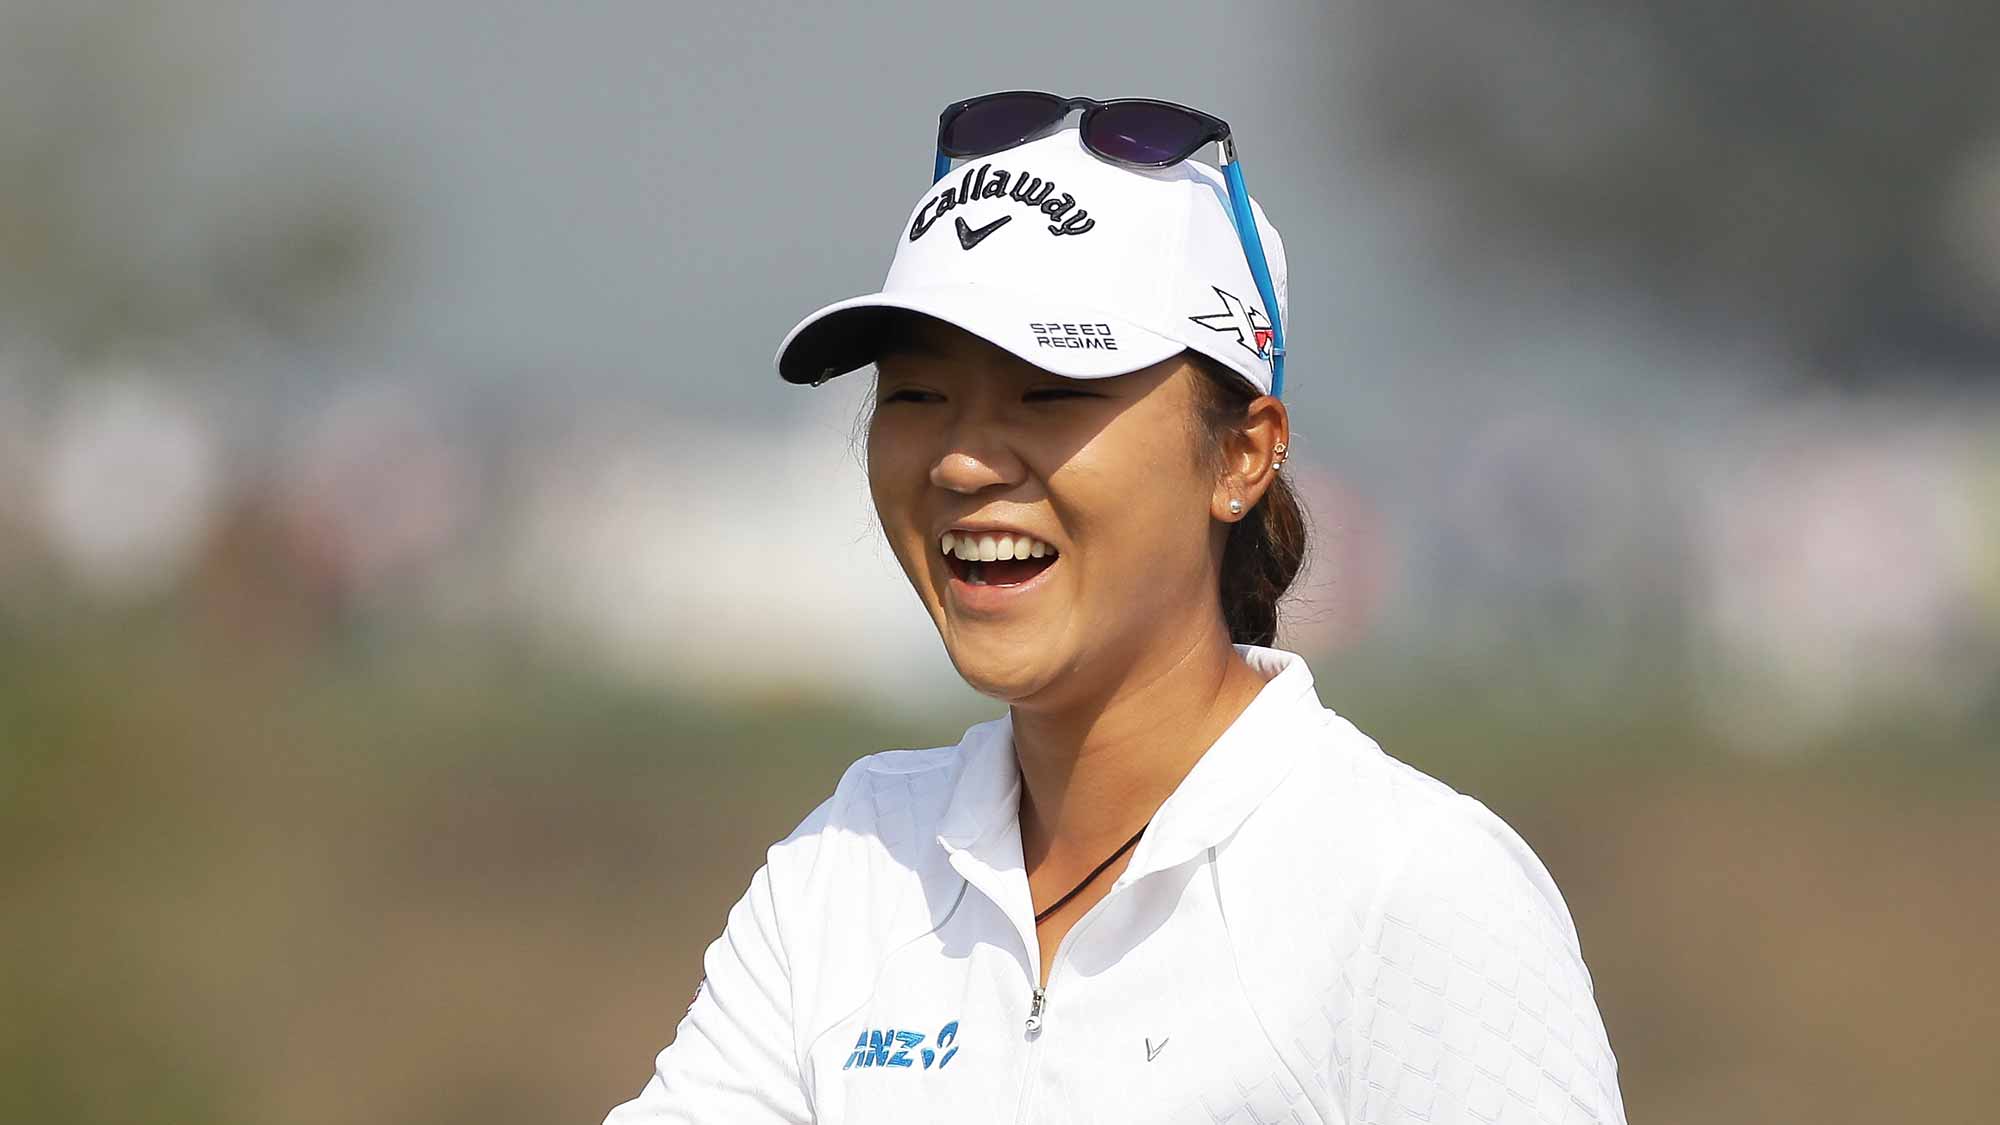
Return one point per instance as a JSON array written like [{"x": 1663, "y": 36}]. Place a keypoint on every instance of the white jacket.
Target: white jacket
[{"x": 1309, "y": 931}]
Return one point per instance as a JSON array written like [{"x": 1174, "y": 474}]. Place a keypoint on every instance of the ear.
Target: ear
[{"x": 1250, "y": 458}]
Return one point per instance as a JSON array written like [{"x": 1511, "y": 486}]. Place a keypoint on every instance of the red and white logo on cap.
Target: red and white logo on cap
[{"x": 1251, "y": 327}]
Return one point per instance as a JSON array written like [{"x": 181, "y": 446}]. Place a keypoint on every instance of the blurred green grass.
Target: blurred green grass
[{"x": 404, "y": 873}]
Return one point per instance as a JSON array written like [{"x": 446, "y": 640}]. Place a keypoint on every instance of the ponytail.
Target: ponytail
[{"x": 1266, "y": 549}]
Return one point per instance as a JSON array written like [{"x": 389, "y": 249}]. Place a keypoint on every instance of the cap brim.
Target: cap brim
[{"x": 1075, "y": 342}]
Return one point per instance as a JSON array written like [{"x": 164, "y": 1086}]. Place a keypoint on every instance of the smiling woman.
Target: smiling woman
[
  {"x": 1167, "y": 841},
  {"x": 1111, "y": 476}
]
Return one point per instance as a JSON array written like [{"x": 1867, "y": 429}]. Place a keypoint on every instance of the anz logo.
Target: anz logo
[{"x": 890, "y": 1047}]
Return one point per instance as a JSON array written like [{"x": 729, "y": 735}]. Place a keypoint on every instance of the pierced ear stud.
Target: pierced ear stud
[
  {"x": 1278, "y": 454},
  {"x": 1235, "y": 506}
]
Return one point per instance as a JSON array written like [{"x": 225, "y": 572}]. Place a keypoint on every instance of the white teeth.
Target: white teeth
[{"x": 993, "y": 548}]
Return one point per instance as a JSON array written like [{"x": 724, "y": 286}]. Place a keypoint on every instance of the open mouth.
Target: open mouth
[{"x": 996, "y": 559}]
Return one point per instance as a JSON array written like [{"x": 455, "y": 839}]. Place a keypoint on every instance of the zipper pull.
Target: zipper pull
[{"x": 1035, "y": 1010}]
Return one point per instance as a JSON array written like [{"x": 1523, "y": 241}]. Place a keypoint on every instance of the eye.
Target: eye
[
  {"x": 1046, "y": 394},
  {"x": 910, "y": 394}
]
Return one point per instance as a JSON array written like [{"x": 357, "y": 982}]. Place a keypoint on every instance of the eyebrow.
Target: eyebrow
[
  {"x": 906, "y": 343},
  {"x": 892, "y": 354},
  {"x": 888, "y": 370}
]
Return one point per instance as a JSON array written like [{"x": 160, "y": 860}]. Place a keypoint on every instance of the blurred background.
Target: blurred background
[{"x": 420, "y": 601}]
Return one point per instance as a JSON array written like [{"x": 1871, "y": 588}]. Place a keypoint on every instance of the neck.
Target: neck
[{"x": 1094, "y": 769}]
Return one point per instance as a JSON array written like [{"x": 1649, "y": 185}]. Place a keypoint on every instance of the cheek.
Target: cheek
[
  {"x": 1145, "y": 518},
  {"x": 897, "y": 476}
]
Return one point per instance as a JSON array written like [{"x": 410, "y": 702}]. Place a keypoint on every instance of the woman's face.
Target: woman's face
[{"x": 1101, "y": 476}]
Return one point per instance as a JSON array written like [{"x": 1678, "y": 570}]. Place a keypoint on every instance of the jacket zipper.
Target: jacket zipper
[{"x": 1039, "y": 1002}]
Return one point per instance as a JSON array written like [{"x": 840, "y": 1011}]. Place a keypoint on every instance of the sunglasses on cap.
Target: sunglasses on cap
[{"x": 1135, "y": 132}]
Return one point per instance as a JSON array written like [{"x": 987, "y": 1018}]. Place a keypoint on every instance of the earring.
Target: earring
[
  {"x": 1278, "y": 455},
  {"x": 1235, "y": 506}
]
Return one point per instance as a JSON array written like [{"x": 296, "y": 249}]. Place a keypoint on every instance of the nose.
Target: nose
[
  {"x": 967, "y": 473},
  {"x": 975, "y": 458}
]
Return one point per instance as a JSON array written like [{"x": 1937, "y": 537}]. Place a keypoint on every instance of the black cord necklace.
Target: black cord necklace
[{"x": 1098, "y": 870}]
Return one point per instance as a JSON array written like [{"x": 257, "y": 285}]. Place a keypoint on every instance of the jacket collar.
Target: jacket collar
[
  {"x": 1238, "y": 770},
  {"x": 1230, "y": 779},
  {"x": 987, "y": 793}
]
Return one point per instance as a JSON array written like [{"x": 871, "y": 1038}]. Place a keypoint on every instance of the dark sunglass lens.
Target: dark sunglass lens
[
  {"x": 1145, "y": 134},
  {"x": 999, "y": 123}
]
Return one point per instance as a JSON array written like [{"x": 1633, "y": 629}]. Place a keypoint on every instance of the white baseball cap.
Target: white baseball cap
[{"x": 1082, "y": 267}]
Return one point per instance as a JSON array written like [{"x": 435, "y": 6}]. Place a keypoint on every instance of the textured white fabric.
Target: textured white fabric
[{"x": 1309, "y": 931}]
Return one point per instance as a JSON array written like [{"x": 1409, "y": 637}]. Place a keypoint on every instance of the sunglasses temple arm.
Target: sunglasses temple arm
[
  {"x": 1260, "y": 268},
  {"x": 942, "y": 166}
]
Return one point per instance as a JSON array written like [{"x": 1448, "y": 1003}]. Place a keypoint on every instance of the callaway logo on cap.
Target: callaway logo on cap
[{"x": 1082, "y": 267}]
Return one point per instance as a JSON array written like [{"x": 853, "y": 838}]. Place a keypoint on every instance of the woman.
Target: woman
[{"x": 1168, "y": 885}]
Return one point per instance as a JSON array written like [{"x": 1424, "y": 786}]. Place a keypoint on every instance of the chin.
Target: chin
[{"x": 1007, "y": 677}]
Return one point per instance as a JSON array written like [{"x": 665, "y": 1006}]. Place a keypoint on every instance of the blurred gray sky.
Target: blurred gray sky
[
  {"x": 616, "y": 199},
  {"x": 652, "y": 193}
]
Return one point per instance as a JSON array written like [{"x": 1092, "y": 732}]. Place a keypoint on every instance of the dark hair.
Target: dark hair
[{"x": 1267, "y": 547}]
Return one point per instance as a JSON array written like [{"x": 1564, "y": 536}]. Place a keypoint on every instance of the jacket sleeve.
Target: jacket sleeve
[
  {"x": 734, "y": 1057},
  {"x": 1473, "y": 1002}
]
